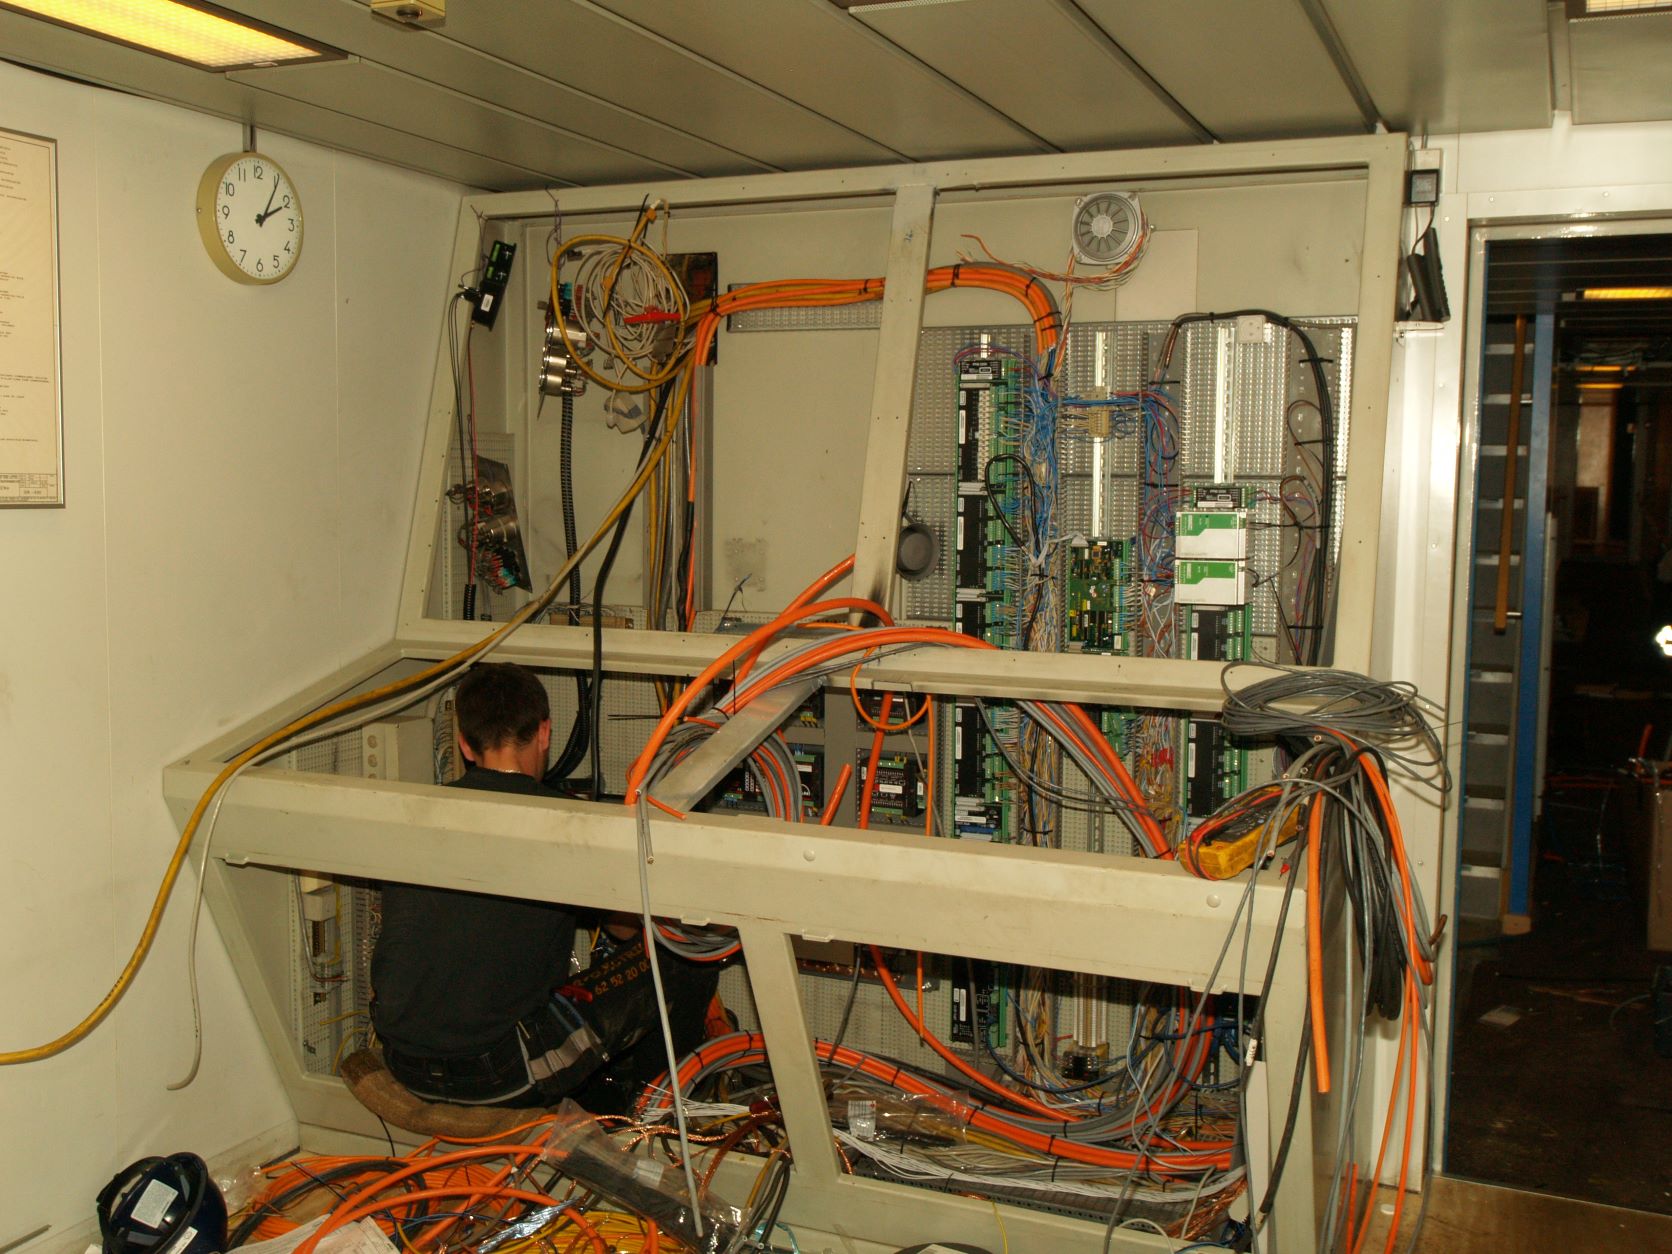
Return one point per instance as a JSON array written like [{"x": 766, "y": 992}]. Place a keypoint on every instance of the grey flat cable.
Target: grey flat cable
[{"x": 646, "y": 855}]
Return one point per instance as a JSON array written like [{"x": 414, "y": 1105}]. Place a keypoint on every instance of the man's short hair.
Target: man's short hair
[{"x": 498, "y": 704}]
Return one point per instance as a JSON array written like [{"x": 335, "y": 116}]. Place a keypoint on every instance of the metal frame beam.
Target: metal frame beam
[{"x": 774, "y": 881}]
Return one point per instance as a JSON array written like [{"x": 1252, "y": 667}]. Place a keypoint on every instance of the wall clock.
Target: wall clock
[{"x": 249, "y": 214}]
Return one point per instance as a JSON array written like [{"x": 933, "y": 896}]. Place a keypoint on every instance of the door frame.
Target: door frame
[{"x": 1578, "y": 224}]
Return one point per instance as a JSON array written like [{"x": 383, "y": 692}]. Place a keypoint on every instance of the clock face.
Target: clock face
[{"x": 250, "y": 217}]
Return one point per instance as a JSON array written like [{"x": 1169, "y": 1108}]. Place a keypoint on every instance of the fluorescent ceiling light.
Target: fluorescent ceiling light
[
  {"x": 1607, "y": 8},
  {"x": 1627, "y": 293},
  {"x": 198, "y": 34}
]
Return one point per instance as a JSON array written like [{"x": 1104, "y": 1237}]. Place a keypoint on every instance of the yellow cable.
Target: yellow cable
[
  {"x": 685, "y": 366},
  {"x": 165, "y": 889}
]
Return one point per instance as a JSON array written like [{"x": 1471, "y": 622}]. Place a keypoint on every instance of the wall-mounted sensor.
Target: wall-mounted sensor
[
  {"x": 915, "y": 555},
  {"x": 426, "y": 14}
]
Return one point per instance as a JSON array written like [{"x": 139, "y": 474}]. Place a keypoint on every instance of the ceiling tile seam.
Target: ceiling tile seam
[
  {"x": 555, "y": 85},
  {"x": 558, "y": 86},
  {"x": 651, "y": 36},
  {"x": 1110, "y": 46},
  {"x": 1323, "y": 26},
  {"x": 338, "y": 146},
  {"x": 242, "y": 114},
  {"x": 890, "y": 48},
  {"x": 240, "y": 76}
]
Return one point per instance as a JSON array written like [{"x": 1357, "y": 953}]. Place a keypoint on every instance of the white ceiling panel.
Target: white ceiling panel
[
  {"x": 1263, "y": 73},
  {"x": 839, "y": 67},
  {"x": 1434, "y": 66},
  {"x": 428, "y": 55},
  {"x": 1035, "y": 63},
  {"x": 63, "y": 51},
  {"x": 594, "y": 51},
  {"x": 1621, "y": 68},
  {"x": 402, "y": 102}
]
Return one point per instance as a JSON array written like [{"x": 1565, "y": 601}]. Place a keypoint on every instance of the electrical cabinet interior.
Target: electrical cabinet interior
[{"x": 821, "y": 433}]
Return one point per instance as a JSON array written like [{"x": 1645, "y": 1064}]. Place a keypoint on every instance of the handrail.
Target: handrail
[{"x": 1512, "y": 451}]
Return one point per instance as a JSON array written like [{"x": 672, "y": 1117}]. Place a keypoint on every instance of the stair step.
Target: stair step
[
  {"x": 1478, "y": 892},
  {"x": 1490, "y": 675}
]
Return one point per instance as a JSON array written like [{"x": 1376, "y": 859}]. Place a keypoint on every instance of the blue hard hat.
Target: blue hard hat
[{"x": 163, "y": 1206}]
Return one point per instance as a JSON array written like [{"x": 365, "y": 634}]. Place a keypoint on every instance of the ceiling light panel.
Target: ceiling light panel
[
  {"x": 200, "y": 35},
  {"x": 1628, "y": 293},
  {"x": 1597, "y": 8}
]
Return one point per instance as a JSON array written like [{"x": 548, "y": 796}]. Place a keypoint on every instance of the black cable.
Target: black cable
[
  {"x": 597, "y": 689},
  {"x": 467, "y": 609},
  {"x": 597, "y": 712},
  {"x": 581, "y": 730},
  {"x": 853, "y": 996},
  {"x": 316, "y": 1180},
  {"x": 566, "y": 489},
  {"x": 988, "y": 487},
  {"x": 1316, "y": 611}
]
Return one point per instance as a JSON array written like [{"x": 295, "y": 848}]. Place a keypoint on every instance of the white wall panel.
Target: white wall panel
[
  {"x": 1547, "y": 175},
  {"x": 239, "y": 478}
]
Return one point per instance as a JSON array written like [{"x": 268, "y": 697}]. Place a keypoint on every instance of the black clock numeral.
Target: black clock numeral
[
  {"x": 231, "y": 188},
  {"x": 243, "y": 172},
  {"x": 259, "y": 173},
  {"x": 242, "y": 253},
  {"x": 229, "y": 238},
  {"x": 275, "y": 261},
  {"x": 286, "y": 204},
  {"x": 287, "y": 248},
  {"x": 226, "y": 211},
  {"x": 292, "y": 222},
  {"x": 259, "y": 269}
]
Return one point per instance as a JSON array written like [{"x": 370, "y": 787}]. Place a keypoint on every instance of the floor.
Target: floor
[
  {"x": 1464, "y": 1217},
  {"x": 1555, "y": 1084}
]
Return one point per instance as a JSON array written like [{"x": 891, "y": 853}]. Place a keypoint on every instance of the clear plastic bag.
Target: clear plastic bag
[{"x": 646, "y": 1187}]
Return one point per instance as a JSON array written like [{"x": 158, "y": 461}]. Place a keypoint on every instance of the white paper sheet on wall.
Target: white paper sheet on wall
[{"x": 31, "y": 430}]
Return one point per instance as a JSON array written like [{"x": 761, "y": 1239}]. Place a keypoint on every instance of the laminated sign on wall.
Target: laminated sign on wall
[{"x": 31, "y": 409}]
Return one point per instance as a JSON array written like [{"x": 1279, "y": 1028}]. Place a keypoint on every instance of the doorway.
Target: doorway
[{"x": 1557, "y": 1084}]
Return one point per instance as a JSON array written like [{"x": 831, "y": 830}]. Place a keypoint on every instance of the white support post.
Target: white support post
[{"x": 891, "y": 395}]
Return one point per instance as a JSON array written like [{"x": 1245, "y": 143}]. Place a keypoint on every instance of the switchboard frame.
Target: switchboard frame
[{"x": 1122, "y": 918}]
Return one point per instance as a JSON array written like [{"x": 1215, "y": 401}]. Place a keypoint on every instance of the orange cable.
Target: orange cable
[
  {"x": 1315, "y": 942},
  {"x": 836, "y": 791}
]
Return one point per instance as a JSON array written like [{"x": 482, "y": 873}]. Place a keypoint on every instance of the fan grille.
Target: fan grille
[{"x": 1107, "y": 226}]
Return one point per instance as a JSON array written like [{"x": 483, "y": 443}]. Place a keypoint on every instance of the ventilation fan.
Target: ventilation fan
[{"x": 1108, "y": 228}]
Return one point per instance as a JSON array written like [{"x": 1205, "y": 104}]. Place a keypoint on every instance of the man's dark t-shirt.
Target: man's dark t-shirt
[{"x": 454, "y": 971}]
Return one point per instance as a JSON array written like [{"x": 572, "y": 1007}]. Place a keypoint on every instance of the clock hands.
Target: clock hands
[{"x": 266, "y": 213}]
